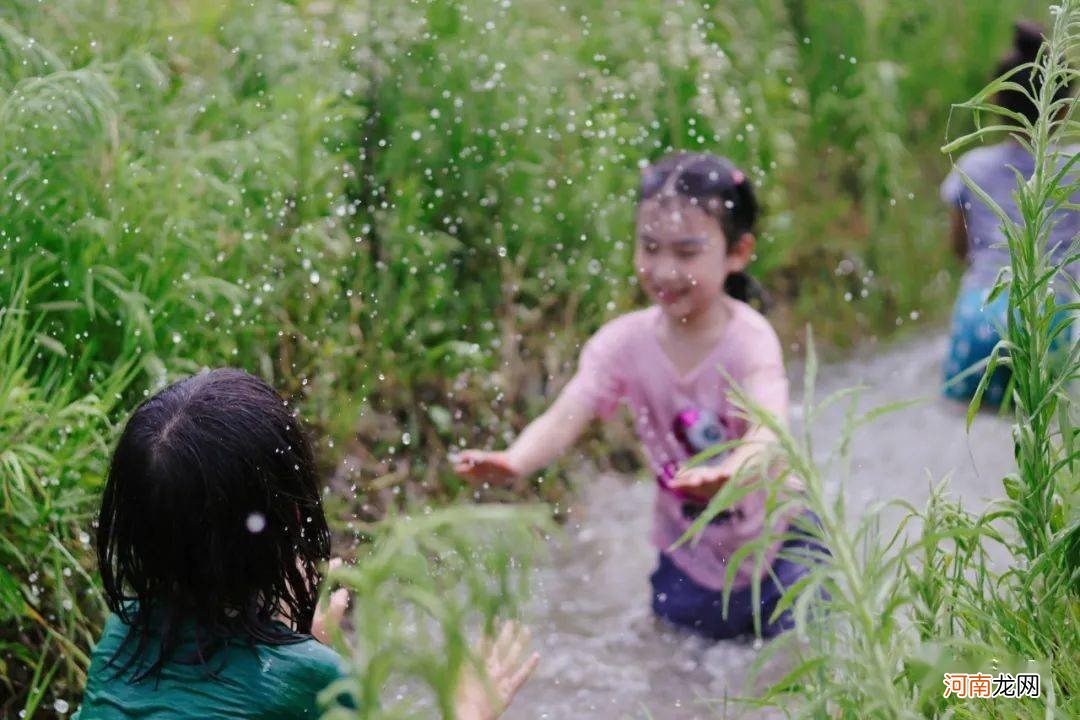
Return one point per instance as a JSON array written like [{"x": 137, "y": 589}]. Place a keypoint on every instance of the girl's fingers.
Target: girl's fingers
[
  {"x": 465, "y": 457},
  {"x": 698, "y": 483},
  {"x": 688, "y": 478},
  {"x": 336, "y": 605},
  {"x": 515, "y": 681},
  {"x": 487, "y": 467},
  {"x": 696, "y": 477},
  {"x": 483, "y": 649},
  {"x": 475, "y": 473},
  {"x": 340, "y": 598},
  {"x": 329, "y": 615},
  {"x": 474, "y": 463},
  {"x": 519, "y": 642},
  {"x": 506, "y": 669},
  {"x": 504, "y": 642}
]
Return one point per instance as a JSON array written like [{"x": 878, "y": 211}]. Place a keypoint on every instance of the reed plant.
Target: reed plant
[{"x": 423, "y": 589}]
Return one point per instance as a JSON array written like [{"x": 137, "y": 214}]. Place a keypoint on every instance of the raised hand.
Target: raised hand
[
  {"x": 505, "y": 671},
  {"x": 328, "y": 614}
]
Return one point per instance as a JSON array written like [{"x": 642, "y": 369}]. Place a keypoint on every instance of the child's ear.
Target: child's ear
[{"x": 740, "y": 255}]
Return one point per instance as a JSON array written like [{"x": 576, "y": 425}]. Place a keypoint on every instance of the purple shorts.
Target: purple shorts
[{"x": 681, "y": 601}]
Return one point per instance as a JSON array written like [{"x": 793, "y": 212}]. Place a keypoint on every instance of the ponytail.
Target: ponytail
[{"x": 745, "y": 287}]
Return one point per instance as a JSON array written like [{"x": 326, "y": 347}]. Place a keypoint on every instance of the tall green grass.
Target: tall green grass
[
  {"x": 51, "y": 465},
  {"x": 914, "y": 600},
  {"x": 423, "y": 589}
]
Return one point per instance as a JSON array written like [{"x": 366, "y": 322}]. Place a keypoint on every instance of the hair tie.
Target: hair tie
[{"x": 737, "y": 177}]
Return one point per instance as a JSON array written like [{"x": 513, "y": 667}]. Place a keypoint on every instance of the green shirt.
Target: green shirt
[{"x": 267, "y": 682}]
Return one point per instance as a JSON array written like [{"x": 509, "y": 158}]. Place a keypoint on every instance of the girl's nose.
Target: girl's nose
[{"x": 667, "y": 269}]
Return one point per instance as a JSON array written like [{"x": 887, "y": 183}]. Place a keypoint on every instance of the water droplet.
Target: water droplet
[
  {"x": 314, "y": 277},
  {"x": 256, "y": 522},
  {"x": 61, "y": 706}
]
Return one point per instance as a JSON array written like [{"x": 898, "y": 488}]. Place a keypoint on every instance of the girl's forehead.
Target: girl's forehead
[{"x": 674, "y": 218}]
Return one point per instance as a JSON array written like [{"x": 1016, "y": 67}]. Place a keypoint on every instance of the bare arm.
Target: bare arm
[
  {"x": 546, "y": 438},
  {"x": 595, "y": 390},
  {"x": 550, "y": 435}
]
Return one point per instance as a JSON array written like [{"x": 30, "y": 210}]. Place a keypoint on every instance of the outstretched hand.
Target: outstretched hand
[
  {"x": 485, "y": 697},
  {"x": 485, "y": 466},
  {"x": 700, "y": 483}
]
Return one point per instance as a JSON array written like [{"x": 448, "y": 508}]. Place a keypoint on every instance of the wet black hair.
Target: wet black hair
[
  {"x": 1027, "y": 40},
  {"x": 211, "y": 515},
  {"x": 724, "y": 192}
]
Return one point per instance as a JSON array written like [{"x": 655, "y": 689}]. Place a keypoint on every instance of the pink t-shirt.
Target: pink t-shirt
[{"x": 623, "y": 362}]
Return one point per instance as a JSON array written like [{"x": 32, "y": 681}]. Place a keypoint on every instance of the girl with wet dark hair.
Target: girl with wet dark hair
[
  {"x": 976, "y": 230},
  {"x": 209, "y": 541},
  {"x": 673, "y": 364}
]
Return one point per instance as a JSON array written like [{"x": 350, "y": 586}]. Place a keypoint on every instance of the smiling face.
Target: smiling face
[{"x": 681, "y": 255}]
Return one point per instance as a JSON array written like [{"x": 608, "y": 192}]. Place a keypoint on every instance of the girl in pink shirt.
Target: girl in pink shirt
[{"x": 668, "y": 362}]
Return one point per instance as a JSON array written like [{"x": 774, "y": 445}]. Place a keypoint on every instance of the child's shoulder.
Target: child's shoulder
[
  {"x": 750, "y": 321},
  {"x": 752, "y": 335},
  {"x": 310, "y": 659},
  {"x": 626, "y": 328},
  {"x": 317, "y": 666}
]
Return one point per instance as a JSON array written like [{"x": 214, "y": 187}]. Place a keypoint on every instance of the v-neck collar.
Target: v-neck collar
[{"x": 707, "y": 361}]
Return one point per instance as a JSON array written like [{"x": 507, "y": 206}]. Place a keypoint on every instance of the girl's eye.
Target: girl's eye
[
  {"x": 686, "y": 253},
  {"x": 650, "y": 247}
]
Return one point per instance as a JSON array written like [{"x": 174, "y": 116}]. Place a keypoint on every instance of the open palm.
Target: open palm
[{"x": 484, "y": 466}]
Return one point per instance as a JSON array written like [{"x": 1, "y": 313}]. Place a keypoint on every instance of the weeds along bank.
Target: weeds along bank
[{"x": 408, "y": 215}]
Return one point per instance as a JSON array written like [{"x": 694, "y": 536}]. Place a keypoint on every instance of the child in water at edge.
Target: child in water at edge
[
  {"x": 695, "y": 236},
  {"x": 977, "y": 238}
]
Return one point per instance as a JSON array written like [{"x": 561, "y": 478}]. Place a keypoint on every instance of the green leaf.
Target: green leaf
[{"x": 51, "y": 344}]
